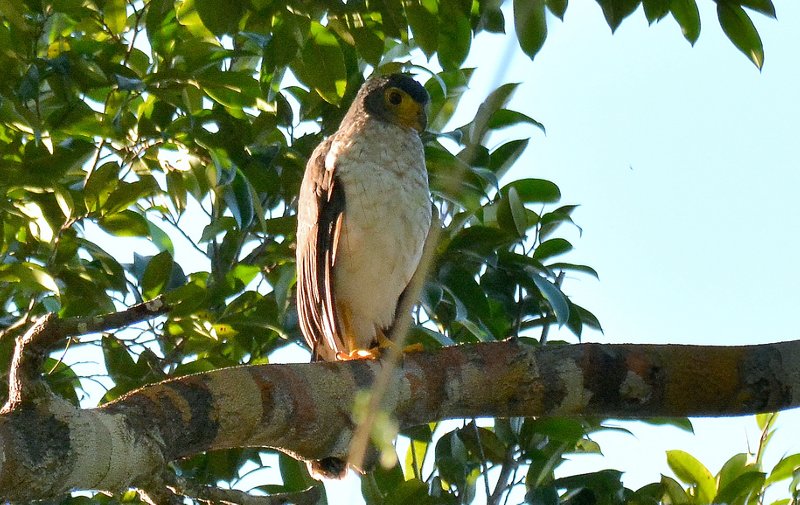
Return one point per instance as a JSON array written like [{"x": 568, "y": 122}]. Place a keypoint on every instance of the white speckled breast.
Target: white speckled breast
[{"x": 386, "y": 220}]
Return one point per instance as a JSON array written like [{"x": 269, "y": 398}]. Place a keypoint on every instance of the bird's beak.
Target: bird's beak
[{"x": 412, "y": 114}]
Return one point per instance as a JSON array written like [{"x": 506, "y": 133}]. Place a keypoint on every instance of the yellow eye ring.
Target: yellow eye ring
[{"x": 394, "y": 97}]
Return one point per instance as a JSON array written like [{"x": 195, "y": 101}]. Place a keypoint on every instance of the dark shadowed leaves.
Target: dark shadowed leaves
[{"x": 617, "y": 10}]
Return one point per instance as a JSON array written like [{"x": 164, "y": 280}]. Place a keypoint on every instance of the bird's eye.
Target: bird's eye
[{"x": 395, "y": 98}]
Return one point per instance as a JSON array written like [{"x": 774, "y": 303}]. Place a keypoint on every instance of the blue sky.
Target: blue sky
[{"x": 684, "y": 162}]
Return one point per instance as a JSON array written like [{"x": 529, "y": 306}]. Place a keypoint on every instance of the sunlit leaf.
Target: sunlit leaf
[
  {"x": 740, "y": 29},
  {"x": 689, "y": 470},
  {"x": 114, "y": 15}
]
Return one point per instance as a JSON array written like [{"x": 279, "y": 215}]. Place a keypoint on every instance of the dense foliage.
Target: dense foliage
[{"x": 185, "y": 126}]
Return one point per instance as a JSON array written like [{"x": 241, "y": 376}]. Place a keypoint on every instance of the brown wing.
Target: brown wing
[{"x": 319, "y": 222}]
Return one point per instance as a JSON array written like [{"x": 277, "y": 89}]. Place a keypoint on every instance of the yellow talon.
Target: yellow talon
[{"x": 373, "y": 353}]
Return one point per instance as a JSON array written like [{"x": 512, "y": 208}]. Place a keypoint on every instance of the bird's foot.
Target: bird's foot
[
  {"x": 373, "y": 353},
  {"x": 414, "y": 348},
  {"x": 385, "y": 343}
]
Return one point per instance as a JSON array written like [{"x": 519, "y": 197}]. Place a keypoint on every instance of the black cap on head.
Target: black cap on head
[{"x": 410, "y": 86}]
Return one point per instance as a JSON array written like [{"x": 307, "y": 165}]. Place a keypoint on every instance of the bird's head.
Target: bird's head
[{"x": 397, "y": 99}]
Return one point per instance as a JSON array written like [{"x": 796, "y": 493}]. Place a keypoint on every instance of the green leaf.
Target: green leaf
[
  {"x": 455, "y": 39},
  {"x": 763, "y": 6},
  {"x": 463, "y": 286},
  {"x": 415, "y": 456},
  {"x": 740, "y": 29},
  {"x": 766, "y": 420},
  {"x": 369, "y": 44},
  {"x": 114, "y": 15},
  {"x": 557, "y": 7},
  {"x": 571, "y": 267},
  {"x": 321, "y": 64},
  {"x": 231, "y": 89},
  {"x": 424, "y": 27},
  {"x": 479, "y": 239},
  {"x": 503, "y": 118},
  {"x": 682, "y": 423},
  {"x": 733, "y": 468},
  {"x": 617, "y": 10},
  {"x": 496, "y": 100},
  {"x": 688, "y": 469},
  {"x": 558, "y": 302},
  {"x": 655, "y": 10},
  {"x": 412, "y": 491},
  {"x": 126, "y": 223},
  {"x": 784, "y": 469},
  {"x": 504, "y": 156},
  {"x": 394, "y": 23},
  {"x": 552, "y": 247},
  {"x": 530, "y": 25},
  {"x": 239, "y": 198},
  {"x": 294, "y": 474},
  {"x": 483, "y": 443},
  {"x": 31, "y": 275},
  {"x": 534, "y": 190},
  {"x": 159, "y": 238},
  {"x": 688, "y": 17},
  {"x": 675, "y": 491},
  {"x": 551, "y": 221},
  {"x": 744, "y": 487},
  {"x": 451, "y": 459},
  {"x": 511, "y": 213},
  {"x": 220, "y": 16},
  {"x": 157, "y": 275},
  {"x": 61, "y": 378},
  {"x": 128, "y": 193},
  {"x": 119, "y": 363}
]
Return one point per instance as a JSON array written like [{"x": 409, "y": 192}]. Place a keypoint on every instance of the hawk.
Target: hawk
[{"x": 364, "y": 213}]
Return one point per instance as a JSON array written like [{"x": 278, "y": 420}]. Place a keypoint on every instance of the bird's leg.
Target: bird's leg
[{"x": 346, "y": 322}]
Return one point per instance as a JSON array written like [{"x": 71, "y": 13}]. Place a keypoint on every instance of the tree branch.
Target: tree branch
[
  {"x": 24, "y": 383},
  {"x": 305, "y": 409}
]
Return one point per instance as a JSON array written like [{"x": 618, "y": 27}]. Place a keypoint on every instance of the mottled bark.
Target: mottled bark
[{"x": 304, "y": 409}]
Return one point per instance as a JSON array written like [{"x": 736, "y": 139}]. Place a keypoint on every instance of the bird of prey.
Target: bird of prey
[{"x": 364, "y": 213}]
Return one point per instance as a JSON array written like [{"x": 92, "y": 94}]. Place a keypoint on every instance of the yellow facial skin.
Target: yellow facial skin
[{"x": 407, "y": 111}]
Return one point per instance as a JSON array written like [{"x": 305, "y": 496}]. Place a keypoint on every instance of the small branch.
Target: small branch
[
  {"x": 33, "y": 346},
  {"x": 215, "y": 495},
  {"x": 509, "y": 465}
]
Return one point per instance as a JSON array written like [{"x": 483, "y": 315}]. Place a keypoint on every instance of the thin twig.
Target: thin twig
[{"x": 361, "y": 435}]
